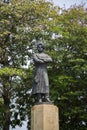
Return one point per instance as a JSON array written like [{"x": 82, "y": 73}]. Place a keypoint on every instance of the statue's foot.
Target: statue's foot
[
  {"x": 47, "y": 100},
  {"x": 40, "y": 101}
]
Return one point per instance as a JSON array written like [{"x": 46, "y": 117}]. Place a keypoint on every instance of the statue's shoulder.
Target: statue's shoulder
[
  {"x": 35, "y": 54},
  {"x": 45, "y": 55},
  {"x": 41, "y": 55}
]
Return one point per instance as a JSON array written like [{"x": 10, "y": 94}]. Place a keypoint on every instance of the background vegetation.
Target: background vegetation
[{"x": 64, "y": 32}]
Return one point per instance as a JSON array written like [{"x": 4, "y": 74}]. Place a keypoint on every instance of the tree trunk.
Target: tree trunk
[
  {"x": 6, "y": 93},
  {"x": 6, "y": 97}
]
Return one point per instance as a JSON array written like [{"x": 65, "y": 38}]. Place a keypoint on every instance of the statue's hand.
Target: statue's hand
[
  {"x": 41, "y": 61},
  {"x": 36, "y": 79}
]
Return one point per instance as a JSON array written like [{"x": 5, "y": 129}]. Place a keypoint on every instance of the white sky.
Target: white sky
[
  {"x": 21, "y": 128},
  {"x": 61, "y": 3},
  {"x": 68, "y": 3}
]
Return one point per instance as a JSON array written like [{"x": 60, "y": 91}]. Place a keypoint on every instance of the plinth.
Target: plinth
[{"x": 44, "y": 117}]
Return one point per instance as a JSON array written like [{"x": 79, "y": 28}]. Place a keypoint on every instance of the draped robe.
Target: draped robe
[{"x": 41, "y": 81}]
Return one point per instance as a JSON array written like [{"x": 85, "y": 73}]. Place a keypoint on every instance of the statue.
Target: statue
[{"x": 40, "y": 88}]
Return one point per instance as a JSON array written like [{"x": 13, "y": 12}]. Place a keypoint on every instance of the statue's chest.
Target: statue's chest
[{"x": 42, "y": 56}]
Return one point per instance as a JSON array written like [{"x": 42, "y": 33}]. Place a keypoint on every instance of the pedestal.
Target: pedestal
[{"x": 44, "y": 117}]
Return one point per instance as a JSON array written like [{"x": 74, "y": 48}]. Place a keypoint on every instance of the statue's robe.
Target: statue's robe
[{"x": 41, "y": 81}]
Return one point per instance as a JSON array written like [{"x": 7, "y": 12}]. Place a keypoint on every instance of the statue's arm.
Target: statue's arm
[
  {"x": 37, "y": 59},
  {"x": 48, "y": 59}
]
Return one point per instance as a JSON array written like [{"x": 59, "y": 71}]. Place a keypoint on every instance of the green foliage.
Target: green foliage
[
  {"x": 21, "y": 23},
  {"x": 68, "y": 79},
  {"x": 65, "y": 36},
  {"x": 11, "y": 72}
]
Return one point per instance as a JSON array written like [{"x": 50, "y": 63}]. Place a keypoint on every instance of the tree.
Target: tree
[
  {"x": 69, "y": 73},
  {"x": 21, "y": 22}
]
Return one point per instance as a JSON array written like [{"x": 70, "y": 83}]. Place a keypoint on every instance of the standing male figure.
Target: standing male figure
[{"x": 41, "y": 82}]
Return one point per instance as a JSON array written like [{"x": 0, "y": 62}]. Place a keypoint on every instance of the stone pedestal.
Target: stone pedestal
[{"x": 44, "y": 117}]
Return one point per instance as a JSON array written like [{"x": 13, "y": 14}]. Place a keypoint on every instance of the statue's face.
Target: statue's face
[{"x": 40, "y": 48}]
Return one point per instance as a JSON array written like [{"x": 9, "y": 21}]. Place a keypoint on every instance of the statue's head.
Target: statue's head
[{"x": 40, "y": 47}]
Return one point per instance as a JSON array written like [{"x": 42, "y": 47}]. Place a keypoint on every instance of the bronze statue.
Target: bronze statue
[{"x": 40, "y": 87}]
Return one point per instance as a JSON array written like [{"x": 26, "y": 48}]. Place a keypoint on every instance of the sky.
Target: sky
[
  {"x": 61, "y": 3},
  {"x": 68, "y": 3}
]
